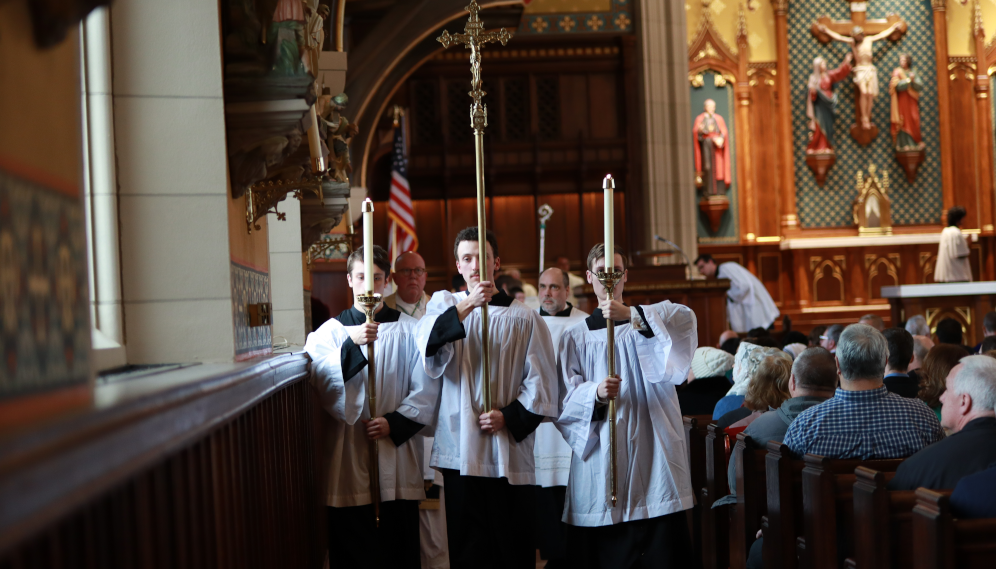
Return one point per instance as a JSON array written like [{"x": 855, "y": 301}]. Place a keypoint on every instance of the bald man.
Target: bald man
[
  {"x": 551, "y": 452},
  {"x": 564, "y": 264},
  {"x": 409, "y": 285}
]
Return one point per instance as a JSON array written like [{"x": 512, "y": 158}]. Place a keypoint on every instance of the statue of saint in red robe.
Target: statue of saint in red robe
[
  {"x": 821, "y": 104},
  {"x": 904, "y": 92},
  {"x": 712, "y": 152}
]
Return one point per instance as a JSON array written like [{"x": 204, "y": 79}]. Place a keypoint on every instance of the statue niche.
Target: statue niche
[{"x": 872, "y": 209}]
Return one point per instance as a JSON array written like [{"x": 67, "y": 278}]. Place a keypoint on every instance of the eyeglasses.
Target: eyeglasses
[
  {"x": 824, "y": 337},
  {"x": 419, "y": 272}
]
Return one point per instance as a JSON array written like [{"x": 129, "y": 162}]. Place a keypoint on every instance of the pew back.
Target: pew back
[
  {"x": 715, "y": 523},
  {"x": 783, "y": 481},
  {"x": 751, "y": 505},
  {"x": 883, "y": 533},
  {"x": 942, "y": 541},
  {"x": 695, "y": 433}
]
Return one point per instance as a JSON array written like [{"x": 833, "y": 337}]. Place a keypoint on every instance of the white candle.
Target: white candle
[
  {"x": 315, "y": 144},
  {"x": 608, "y": 184},
  {"x": 368, "y": 245}
]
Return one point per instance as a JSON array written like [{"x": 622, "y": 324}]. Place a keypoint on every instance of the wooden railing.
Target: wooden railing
[{"x": 208, "y": 466}]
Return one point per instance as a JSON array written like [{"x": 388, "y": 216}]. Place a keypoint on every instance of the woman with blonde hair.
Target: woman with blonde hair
[{"x": 767, "y": 388}]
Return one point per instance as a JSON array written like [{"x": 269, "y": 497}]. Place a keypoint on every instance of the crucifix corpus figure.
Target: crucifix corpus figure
[{"x": 861, "y": 34}]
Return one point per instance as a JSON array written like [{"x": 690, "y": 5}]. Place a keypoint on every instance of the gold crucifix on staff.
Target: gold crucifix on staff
[
  {"x": 860, "y": 33},
  {"x": 474, "y": 37}
]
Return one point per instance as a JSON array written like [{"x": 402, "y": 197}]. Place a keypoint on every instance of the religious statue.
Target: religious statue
[
  {"x": 865, "y": 73},
  {"x": 904, "y": 93},
  {"x": 821, "y": 103},
  {"x": 712, "y": 153},
  {"x": 314, "y": 37},
  {"x": 286, "y": 37},
  {"x": 337, "y": 131}
]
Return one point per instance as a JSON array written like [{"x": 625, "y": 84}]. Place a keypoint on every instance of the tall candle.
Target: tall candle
[
  {"x": 608, "y": 184},
  {"x": 368, "y": 245},
  {"x": 315, "y": 144}
]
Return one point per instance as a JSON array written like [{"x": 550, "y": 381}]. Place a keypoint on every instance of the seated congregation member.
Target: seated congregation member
[
  {"x": 863, "y": 420},
  {"x": 813, "y": 381},
  {"x": 830, "y": 338},
  {"x": 873, "y": 320},
  {"x": 654, "y": 346},
  {"x": 968, "y": 413},
  {"x": 897, "y": 378},
  {"x": 731, "y": 346},
  {"x": 815, "y": 334},
  {"x": 988, "y": 331},
  {"x": 921, "y": 345},
  {"x": 747, "y": 358},
  {"x": 707, "y": 382},
  {"x": 917, "y": 326},
  {"x": 766, "y": 390},
  {"x": 975, "y": 495},
  {"x": 949, "y": 332},
  {"x": 988, "y": 344},
  {"x": 726, "y": 335},
  {"x": 486, "y": 458},
  {"x": 406, "y": 402},
  {"x": 940, "y": 360}
]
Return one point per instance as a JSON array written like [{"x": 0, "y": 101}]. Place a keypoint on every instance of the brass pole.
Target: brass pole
[
  {"x": 369, "y": 302},
  {"x": 610, "y": 356},
  {"x": 609, "y": 278},
  {"x": 482, "y": 256},
  {"x": 474, "y": 37}
]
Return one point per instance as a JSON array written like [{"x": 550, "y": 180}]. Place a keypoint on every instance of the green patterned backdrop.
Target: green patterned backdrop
[
  {"x": 729, "y": 231},
  {"x": 830, "y": 206}
]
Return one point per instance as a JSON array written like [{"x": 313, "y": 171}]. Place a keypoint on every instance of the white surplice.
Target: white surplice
[
  {"x": 402, "y": 386},
  {"x": 651, "y": 456},
  {"x": 749, "y": 305},
  {"x": 522, "y": 369},
  {"x": 952, "y": 258},
  {"x": 551, "y": 452}
]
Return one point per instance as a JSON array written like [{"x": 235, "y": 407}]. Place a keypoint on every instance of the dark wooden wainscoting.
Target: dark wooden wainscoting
[{"x": 206, "y": 466}]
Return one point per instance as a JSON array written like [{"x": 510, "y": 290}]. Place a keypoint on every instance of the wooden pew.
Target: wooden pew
[
  {"x": 828, "y": 505},
  {"x": 715, "y": 523},
  {"x": 745, "y": 519},
  {"x": 941, "y": 541},
  {"x": 783, "y": 523},
  {"x": 883, "y": 532},
  {"x": 695, "y": 434}
]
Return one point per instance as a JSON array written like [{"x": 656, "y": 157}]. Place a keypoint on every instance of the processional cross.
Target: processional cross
[
  {"x": 892, "y": 27},
  {"x": 474, "y": 37}
]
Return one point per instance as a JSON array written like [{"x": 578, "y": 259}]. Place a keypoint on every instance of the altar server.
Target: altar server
[
  {"x": 953, "y": 252},
  {"x": 406, "y": 402},
  {"x": 487, "y": 458},
  {"x": 748, "y": 304},
  {"x": 552, "y": 453},
  {"x": 654, "y": 346}
]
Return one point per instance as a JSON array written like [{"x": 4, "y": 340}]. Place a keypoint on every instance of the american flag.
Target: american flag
[{"x": 399, "y": 208}]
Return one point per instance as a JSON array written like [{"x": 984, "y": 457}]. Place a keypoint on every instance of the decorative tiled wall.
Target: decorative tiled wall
[
  {"x": 618, "y": 19},
  {"x": 249, "y": 286},
  {"x": 830, "y": 206},
  {"x": 44, "y": 319}
]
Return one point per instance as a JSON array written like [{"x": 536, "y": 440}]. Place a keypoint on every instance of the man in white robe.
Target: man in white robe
[
  {"x": 552, "y": 453},
  {"x": 406, "y": 402},
  {"x": 748, "y": 304},
  {"x": 653, "y": 350},
  {"x": 952, "y": 254},
  {"x": 487, "y": 457}
]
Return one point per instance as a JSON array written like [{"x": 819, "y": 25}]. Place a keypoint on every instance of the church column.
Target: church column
[
  {"x": 790, "y": 221},
  {"x": 667, "y": 126},
  {"x": 745, "y": 168},
  {"x": 943, "y": 100},
  {"x": 983, "y": 114}
]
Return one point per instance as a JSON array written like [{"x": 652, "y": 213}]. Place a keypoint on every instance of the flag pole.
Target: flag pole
[{"x": 475, "y": 38}]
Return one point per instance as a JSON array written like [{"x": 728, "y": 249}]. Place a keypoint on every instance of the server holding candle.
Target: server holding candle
[
  {"x": 629, "y": 481},
  {"x": 374, "y": 480}
]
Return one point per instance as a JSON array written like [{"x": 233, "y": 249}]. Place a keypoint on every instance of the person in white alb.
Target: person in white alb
[
  {"x": 552, "y": 453},
  {"x": 952, "y": 254},
  {"x": 654, "y": 346},
  {"x": 406, "y": 402},
  {"x": 748, "y": 304},
  {"x": 487, "y": 457}
]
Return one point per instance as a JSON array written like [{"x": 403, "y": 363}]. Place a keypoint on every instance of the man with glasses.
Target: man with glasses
[{"x": 409, "y": 282}]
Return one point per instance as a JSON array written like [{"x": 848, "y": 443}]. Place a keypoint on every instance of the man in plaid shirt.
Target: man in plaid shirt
[{"x": 863, "y": 420}]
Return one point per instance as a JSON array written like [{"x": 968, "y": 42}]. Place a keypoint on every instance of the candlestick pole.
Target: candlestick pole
[
  {"x": 474, "y": 38},
  {"x": 610, "y": 277},
  {"x": 368, "y": 302}
]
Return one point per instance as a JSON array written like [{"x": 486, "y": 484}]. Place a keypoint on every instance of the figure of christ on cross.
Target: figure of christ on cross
[{"x": 853, "y": 32}]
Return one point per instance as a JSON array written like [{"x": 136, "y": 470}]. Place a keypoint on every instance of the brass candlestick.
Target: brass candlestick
[
  {"x": 609, "y": 281},
  {"x": 474, "y": 37},
  {"x": 368, "y": 302}
]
